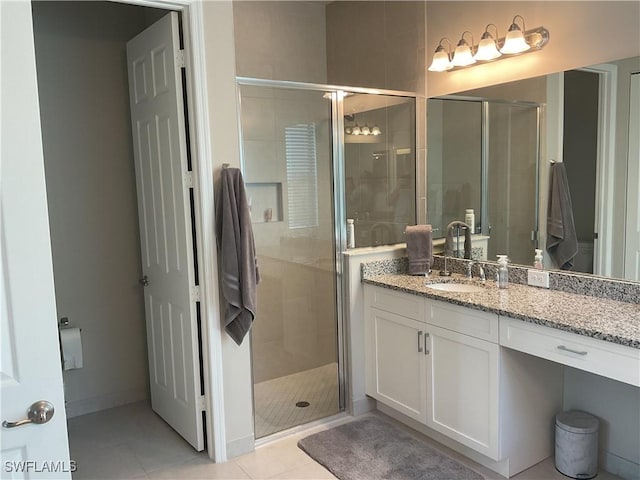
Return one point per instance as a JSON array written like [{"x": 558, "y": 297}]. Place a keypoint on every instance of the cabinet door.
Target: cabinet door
[
  {"x": 462, "y": 389},
  {"x": 395, "y": 362}
]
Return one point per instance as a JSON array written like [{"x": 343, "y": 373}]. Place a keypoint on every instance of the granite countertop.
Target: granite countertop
[{"x": 609, "y": 320}]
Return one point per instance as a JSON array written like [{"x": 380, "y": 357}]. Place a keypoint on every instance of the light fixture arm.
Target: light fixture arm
[
  {"x": 463, "y": 41},
  {"x": 448, "y": 41},
  {"x": 487, "y": 34},
  {"x": 514, "y": 24}
]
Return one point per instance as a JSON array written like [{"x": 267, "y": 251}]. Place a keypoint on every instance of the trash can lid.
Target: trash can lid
[{"x": 577, "y": 422}]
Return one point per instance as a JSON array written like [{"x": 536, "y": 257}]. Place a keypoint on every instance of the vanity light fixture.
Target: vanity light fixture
[
  {"x": 490, "y": 49},
  {"x": 463, "y": 55},
  {"x": 441, "y": 58}
]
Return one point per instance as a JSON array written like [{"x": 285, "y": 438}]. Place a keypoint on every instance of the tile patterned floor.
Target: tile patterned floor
[
  {"x": 132, "y": 442},
  {"x": 275, "y": 400}
]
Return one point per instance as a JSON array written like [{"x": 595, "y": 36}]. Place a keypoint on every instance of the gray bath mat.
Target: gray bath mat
[{"x": 371, "y": 449}]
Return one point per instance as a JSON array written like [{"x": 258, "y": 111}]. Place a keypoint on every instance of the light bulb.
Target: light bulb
[
  {"x": 487, "y": 49},
  {"x": 441, "y": 61},
  {"x": 463, "y": 56},
  {"x": 515, "y": 42}
]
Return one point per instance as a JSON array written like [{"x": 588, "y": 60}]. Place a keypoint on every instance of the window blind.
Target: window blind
[{"x": 302, "y": 177}]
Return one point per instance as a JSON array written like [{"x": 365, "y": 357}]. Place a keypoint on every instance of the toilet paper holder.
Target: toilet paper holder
[{"x": 64, "y": 322}]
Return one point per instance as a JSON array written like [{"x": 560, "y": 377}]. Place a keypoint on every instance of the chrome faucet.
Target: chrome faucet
[
  {"x": 470, "y": 270},
  {"x": 481, "y": 274}
]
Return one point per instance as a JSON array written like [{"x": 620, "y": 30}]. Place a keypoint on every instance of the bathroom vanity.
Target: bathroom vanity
[{"x": 482, "y": 371}]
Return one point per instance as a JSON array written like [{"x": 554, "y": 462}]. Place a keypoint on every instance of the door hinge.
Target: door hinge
[
  {"x": 180, "y": 59},
  {"x": 188, "y": 179},
  {"x": 195, "y": 293},
  {"x": 201, "y": 404}
]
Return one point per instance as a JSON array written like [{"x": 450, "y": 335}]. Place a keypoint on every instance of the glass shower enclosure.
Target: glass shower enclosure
[{"x": 301, "y": 181}]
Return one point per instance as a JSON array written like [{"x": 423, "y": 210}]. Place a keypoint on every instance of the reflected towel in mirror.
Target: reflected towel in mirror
[
  {"x": 562, "y": 241},
  {"x": 419, "y": 248}
]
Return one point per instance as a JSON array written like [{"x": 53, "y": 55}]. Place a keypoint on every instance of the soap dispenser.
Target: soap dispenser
[
  {"x": 503, "y": 271},
  {"x": 537, "y": 262}
]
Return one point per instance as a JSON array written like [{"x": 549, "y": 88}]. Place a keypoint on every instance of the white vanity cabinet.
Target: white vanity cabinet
[
  {"x": 439, "y": 368},
  {"x": 422, "y": 361},
  {"x": 394, "y": 351},
  {"x": 462, "y": 389}
]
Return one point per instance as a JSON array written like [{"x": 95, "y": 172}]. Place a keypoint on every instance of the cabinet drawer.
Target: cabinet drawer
[
  {"x": 478, "y": 324},
  {"x": 405, "y": 304},
  {"x": 585, "y": 353}
]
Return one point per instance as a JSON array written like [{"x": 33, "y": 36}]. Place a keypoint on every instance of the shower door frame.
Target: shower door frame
[{"x": 337, "y": 92}]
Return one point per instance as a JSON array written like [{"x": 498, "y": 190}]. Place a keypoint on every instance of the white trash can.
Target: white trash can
[{"x": 577, "y": 444}]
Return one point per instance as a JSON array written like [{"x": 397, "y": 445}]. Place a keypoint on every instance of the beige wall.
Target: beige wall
[
  {"x": 280, "y": 40},
  {"x": 84, "y": 100},
  {"x": 581, "y": 33},
  {"x": 225, "y": 148},
  {"x": 376, "y": 44}
]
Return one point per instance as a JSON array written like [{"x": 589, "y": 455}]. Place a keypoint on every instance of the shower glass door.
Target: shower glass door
[{"x": 287, "y": 167}]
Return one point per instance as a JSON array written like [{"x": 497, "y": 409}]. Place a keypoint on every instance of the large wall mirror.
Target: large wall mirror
[{"x": 491, "y": 149}]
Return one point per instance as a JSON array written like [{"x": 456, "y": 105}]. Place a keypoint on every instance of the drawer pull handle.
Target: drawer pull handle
[
  {"x": 562, "y": 347},
  {"x": 420, "y": 341},
  {"x": 426, "y": 350}
]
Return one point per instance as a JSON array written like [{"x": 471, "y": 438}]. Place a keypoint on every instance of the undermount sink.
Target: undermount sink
[{"x": 456, "y": 287}]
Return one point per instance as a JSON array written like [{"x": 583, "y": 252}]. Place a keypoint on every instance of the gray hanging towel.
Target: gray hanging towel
[
  {"x": 238, "y": 262},
  {"x": 562, "y": 241},
  {"x": 419, "y": 248}
]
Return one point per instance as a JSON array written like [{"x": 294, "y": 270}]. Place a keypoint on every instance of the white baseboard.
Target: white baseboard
[
  {"x": 361, "y": 406},
  {"x": 238, "y": 447},
  {"x": 103, "y": 402},
  {"x": 619, "y": 466}
]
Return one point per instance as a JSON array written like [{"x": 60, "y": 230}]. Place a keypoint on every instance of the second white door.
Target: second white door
[{"x": 157, "y": 112}]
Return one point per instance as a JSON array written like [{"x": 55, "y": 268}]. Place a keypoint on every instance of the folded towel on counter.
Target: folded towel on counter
[
  {"x": 562, "y": 241},
  {"x": 448, "y": 245},
  {"x": 419, "y": 248},
  {"x": 238, "y": 262}
]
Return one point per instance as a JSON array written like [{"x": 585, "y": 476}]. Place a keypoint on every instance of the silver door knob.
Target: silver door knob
[
  {"x": 39, "y": 412},
  {"x": 144, "y": 281}
]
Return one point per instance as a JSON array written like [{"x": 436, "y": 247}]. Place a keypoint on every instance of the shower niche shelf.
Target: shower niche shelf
[{"x": 265, "y": 201}]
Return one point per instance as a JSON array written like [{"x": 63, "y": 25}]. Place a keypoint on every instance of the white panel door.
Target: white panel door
[
  {"x": 155, "y": 93},
  {"x": 632, "y": 237},
  {"x": 30, "y": 368},
  {"x": 463, "y": 389},
  {"x": 395, "y": 362}
]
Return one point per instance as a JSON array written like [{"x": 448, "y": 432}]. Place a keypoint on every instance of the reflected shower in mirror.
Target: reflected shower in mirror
[
  {"x": 483, "y": 155},
  {"x": 586, "y": 120},
  {"x": 379, "y": 167}
]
